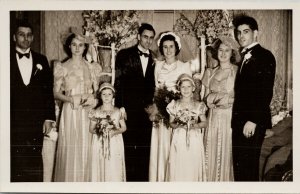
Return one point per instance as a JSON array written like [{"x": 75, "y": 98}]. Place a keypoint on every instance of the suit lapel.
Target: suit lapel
[
  {"x": 252, "y": 51},
  {"x": 149, "y": 65},
  {"x": 138, "y": 62},
  {"x": 16, "y": 76},
  {"x": 34, "y": 68}
]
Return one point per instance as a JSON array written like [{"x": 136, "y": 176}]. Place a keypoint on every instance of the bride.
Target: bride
[{"x": 166, "y": 75}]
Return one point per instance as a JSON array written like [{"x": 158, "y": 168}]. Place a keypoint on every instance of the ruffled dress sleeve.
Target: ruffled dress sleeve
[
  {"x": 158, "y": 65},
  {"x": 171, "y": 108},
  {"x": 123, "y": 115},
  {"x": 59, "y": 77},
  {"x": 202, "y": 108},
  {"x": 92, "y": 115}
]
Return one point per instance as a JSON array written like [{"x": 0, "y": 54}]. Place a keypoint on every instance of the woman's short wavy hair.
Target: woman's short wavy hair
[{"x": 235, "y": 57}]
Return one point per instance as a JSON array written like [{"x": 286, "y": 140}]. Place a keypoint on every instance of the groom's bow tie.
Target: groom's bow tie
[
  {"x": 142, "y": 53},
  {"x": 23, "y": 54}
]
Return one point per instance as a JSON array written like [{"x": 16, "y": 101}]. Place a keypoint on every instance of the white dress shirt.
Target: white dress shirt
[
  {"x": 25, "y": 65},
  {"x": 144, "y": 60}
]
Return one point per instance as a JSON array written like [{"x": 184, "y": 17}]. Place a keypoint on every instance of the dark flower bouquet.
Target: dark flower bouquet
[
  {"x": 157, "y": 112},
  {"x": 185, "y": 117},
  {"x": 103, "y": 127}
]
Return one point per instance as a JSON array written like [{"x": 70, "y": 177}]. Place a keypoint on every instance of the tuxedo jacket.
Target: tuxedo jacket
[
  {"x": 134, "y": 91},
  {"x": 254, "y": 88},
  {"x": 30, "y": 105}
]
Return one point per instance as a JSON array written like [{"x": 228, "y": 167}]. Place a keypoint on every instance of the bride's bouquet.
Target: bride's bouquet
[{"x": 157, "y": 111}]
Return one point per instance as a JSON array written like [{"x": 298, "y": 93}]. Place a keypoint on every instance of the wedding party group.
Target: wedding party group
[{"x": 151, "y": 124}]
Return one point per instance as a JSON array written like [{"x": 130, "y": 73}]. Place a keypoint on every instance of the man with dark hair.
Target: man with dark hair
[
  {"x": 32, "y": 106},
  {"x": 253, "y": 93},
  {"x": 134, "y": 90}
]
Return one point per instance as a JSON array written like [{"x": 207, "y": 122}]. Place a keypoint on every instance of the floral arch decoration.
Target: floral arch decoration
[{"x": 109, "y": 30}]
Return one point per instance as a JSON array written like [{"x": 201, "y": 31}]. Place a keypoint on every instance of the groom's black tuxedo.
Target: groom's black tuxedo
[
  {"x": 134, "y": 91},
  {"x": 253, "y": 94},
  {"x": 30, "y": 106}
]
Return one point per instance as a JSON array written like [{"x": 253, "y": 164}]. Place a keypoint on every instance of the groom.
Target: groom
[
  {"x": 134, "y": 91},
  {"x": 32, "y": 106},
  {"x": 253, "y": 93}
]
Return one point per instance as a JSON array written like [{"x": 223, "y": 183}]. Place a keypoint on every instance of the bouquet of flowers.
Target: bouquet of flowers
[
  {"x": 103, "y": 128},
  {"x": 157, "y": 111},
  {"x": 185, "y": 117},
  {"x": 208, "y": 23},
  {"x": 111, "y": 26}
]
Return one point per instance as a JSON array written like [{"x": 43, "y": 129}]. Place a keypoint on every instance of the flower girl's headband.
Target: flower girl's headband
[
  {"x": 185, "y": 77},
  {"x": 177, "y": 39},
  {"x": 106, "y": 86}
]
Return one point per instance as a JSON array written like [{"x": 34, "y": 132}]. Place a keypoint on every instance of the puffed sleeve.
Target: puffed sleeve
[
  {"x": 171, "y": 108},
  {"x": 206, "y": 77},
  {"x": 202, "y": 108},
  {"x": 59, "y": 76},
  {"x": 92, "y": 114},
  {"x": 123, "y": 115},
  {"x": 158, "y": 65}
]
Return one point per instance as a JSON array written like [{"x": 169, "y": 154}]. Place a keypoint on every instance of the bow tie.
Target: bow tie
[
  {"x": 142, "y": 53},
  {"x": 23, "y": 54},
  {"x": 246, "y": 50}
]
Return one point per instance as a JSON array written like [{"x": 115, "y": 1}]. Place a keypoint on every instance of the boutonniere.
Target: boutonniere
[
  {"x": 38, "y": 68},
  {"x": 247, "y": 56}
]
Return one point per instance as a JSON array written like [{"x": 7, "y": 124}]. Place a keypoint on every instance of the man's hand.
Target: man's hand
[
  {"x": 249, "y": 129},
  {"x": 47, "y": 126}
]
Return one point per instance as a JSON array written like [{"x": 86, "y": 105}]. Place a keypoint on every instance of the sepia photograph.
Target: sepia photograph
[{"x": 170, "y": 97}]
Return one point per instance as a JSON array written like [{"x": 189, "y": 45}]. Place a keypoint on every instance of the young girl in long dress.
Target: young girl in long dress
[
  {"x": 107, "y": 123},
  {"x": 187, "y": 118}
]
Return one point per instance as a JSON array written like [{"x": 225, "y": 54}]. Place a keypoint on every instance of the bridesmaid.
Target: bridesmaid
[
  {"x": 166, "y": 74},
  {"x": 74, "y": 85},
  {"x": 219, "y": 83}
]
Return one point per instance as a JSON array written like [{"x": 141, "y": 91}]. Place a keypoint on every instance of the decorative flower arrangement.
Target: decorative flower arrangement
[
  {"x": 111, "y": 26},
  {"x": 208, "y": 23},
  {"x": 185, "y": 117},
  {"x": 157, "y": 112},
  {"x": 103, "y": 127}
]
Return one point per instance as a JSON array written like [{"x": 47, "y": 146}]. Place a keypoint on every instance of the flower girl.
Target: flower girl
[
  {"x": 107, "y": 123},
  {"x": 187, "y": 118}
]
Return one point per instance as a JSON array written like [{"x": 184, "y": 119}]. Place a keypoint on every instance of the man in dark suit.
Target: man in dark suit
[
  {"x": 32, "y": 106},
  {"x": 134, "y": 90},
  {"x": 253, "y": 93}
]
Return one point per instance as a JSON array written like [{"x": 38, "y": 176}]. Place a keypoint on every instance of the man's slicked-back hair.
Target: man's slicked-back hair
[
  {"x": 244, "y": 19},
  {"x": 146, "y": 26},
  {"x": 22, "y": 23}
]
